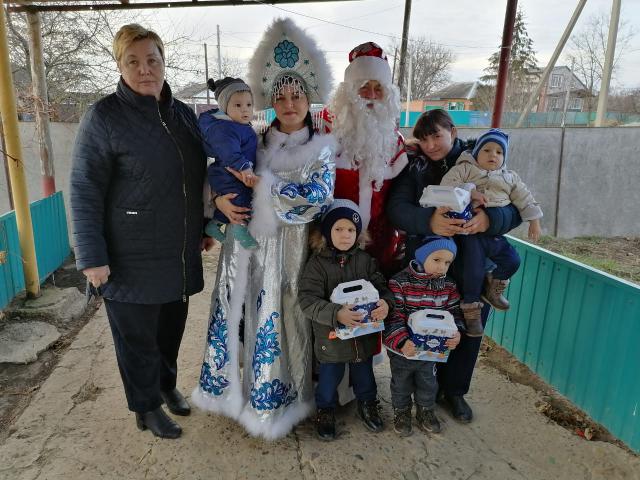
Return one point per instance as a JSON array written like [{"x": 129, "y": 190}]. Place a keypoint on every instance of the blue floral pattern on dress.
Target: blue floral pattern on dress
[
  {"x": 259, "y": 302},
  {"x": 313, "y": 191},
  {"x": 217, "y": 336},
  {"x": 272, "y": 395},
  {"x": 213, "y": 384},
  {"x": 267, "y": 345},
  {"x": 286, "y": 54}
]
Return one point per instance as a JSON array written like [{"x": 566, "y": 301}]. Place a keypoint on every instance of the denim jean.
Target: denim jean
[{"x": 330, "y": 376}]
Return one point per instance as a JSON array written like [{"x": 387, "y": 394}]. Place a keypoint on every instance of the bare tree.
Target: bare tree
[
  {"x": 79, "y": 64},
  {"x": 430, "y": 65},
  {"x": 587, "y": 49}
]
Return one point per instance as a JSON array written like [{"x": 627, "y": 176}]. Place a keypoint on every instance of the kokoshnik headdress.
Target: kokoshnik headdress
[{"x": 287, "y": 56}]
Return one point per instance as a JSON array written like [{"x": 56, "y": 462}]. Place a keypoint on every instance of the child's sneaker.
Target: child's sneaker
[
  {"x": 427, "y": 420},
  {"x": 214, "y": 230},
  {"x": 241, "y": 233},
  {"x": 402, "y": 421},
  {"x": 326, "y": 424},
  {"x": 472, "y": 320},
  {"x": 369, "y": 413},
  {"x": 493, "y": 290}
]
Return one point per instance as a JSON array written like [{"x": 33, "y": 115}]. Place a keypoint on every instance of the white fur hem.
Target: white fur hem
[
  {"x": 278, "y": 424},
  {"x": 228, "y": 405},
  {"x": 264, "y": 221}
]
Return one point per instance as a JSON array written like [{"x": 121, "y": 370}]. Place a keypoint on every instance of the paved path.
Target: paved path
[{"x": 77, "y": 427}]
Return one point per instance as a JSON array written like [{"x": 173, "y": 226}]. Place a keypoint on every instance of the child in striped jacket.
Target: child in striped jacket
[{"x": 423, "y": 284}]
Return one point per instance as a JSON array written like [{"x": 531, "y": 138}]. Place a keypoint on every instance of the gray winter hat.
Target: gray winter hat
[{"x": 225, "y": 88}]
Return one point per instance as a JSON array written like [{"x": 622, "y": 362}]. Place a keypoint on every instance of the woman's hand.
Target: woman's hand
[
  {"x": 409, "y": 349},
  {"x": 453, "y": 342},
  {"x": 478, "y": 224},
  {"x": 247, "y": 177},
  {"x": 97, "y": 275},
  {"x": 235, "y": 214},
  {"x": 445, "y": 226},
  {"x": 381, "y": 312},
  {"x": 348, "y": 317}
]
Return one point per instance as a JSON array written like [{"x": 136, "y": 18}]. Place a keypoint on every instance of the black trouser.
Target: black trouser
[
  {"x": 415, "y": 378},
  {"x": 454, "y": 377},
  {"x": 147, "y": 339}
]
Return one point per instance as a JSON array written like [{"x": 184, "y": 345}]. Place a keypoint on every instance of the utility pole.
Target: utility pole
[
  {"x": 408, "y": 109},
  {"x": 552, "y": 62},
  {"x": 601, "y": 113},
  {"x": 503, "y": 68},
  {"x": 393, "y": 71},
  {"x": 206, "y": 74},
  {"x": 405, "y": 39},
  {"x": 41, "y": 103},
  {"x": 16, "y": 164},
  {"x": 219, "y": 56}
]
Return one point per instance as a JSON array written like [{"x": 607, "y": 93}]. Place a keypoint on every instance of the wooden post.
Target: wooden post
[
  {"x": 405, "y": 40},
  {"x": 41, "y": 104},
  {"x": 16, "y": 164}
]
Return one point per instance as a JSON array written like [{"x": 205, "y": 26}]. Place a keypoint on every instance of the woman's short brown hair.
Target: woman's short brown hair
[
  {"x": 429, "y": 122},
  {"x": 132, "y": 33}
]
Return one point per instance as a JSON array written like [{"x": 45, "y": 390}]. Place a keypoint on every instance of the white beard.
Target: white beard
[{"x": 367, "y": 136}]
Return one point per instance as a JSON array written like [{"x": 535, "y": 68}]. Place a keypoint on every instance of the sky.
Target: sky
[{"x": 472, "y": 29}]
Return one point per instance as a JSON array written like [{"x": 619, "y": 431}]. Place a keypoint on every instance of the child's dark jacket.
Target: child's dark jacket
[
  {"x": 414, "y": 290},
  {"x": 324, "y": 271}
]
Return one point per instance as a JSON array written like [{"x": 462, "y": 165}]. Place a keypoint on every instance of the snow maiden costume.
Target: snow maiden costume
[{"x": 297, "y": 178}]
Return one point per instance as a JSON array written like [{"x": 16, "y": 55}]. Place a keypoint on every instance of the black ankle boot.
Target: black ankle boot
[
  {"x": 457, "y": 406},
  {"x": 176, "y": 403},
  {"x": 159, "y": 423},
  {"x": 326, "y": 424},
  {"x": 369, "y": 413}
]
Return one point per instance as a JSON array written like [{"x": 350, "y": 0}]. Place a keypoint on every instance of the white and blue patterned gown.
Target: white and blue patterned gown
[{"x": 274, "y": 392}]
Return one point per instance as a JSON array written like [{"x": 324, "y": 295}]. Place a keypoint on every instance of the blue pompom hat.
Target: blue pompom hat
[
  {"x": 494, "y": 135},
  {"x": 340, "y": 208},
  {"x": 433, "y": 244}
]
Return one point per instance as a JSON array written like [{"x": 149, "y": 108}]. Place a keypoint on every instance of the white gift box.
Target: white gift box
[
  {"x": 455, "y": 198},
  {"x": 363, "y": 295},
  {"x": 429, "y": 330}
]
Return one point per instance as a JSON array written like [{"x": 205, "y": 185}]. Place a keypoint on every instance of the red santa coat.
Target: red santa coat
[{"x": 372, "y": 202}]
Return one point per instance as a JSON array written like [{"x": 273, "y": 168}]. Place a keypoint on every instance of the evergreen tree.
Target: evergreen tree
[{"x": 523, "y": 68}]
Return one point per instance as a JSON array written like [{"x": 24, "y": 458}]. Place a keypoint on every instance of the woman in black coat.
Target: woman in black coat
[
  {"x": 436, "y": 150},
  {"x": 136, "y": 202}
]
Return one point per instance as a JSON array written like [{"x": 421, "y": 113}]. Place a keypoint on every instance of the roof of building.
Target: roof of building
[
  {"x": 191, "y": 90},
  {"x": 455, "y": 90}
]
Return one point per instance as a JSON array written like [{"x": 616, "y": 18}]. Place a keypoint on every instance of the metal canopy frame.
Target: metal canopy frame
[{"x": 95, "y": 5}]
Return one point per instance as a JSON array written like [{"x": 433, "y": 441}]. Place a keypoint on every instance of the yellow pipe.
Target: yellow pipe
[{"x": 16, "y": 165}]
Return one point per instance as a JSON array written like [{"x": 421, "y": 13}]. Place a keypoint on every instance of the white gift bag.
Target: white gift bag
[
  {"x": 429, "y": 330},
  {"x": 456, "y": 198},
  {"x": 363, "y": 295}
]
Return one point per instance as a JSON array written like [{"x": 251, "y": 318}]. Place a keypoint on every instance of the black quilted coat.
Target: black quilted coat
[{"x": 136, "y": 196}]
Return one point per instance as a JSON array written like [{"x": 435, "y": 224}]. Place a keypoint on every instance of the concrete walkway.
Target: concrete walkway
[{"x": 77, "y": 427}]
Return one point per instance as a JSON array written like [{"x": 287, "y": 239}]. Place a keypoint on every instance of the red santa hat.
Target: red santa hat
[{"x": 368, "y": 62}]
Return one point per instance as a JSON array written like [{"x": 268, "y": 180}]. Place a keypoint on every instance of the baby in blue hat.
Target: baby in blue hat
[{"x": 484, "y": 167}]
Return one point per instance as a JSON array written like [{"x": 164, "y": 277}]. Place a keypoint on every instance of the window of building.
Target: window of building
[
  {"x": 455, "y": 106},
  {"x": 556, "y": 81},
  {"x": 554, "y": 103},
  {"x": 575, "y": 104}
]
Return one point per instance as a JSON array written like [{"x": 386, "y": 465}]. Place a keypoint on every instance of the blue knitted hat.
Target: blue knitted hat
[
  {"x": 494, "y": 135},
  {"x": 340, "y": 208},
  {"x": 435, "y": 243}
]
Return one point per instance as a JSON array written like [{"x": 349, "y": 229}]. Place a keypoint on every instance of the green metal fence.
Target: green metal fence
[
  {"x": 51, "y": 240},
  {"x": 577, "y": 328}
]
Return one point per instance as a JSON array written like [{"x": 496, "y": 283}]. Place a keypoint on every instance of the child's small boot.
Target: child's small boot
[
  {"x": 369, "y": 413},
  {"x": 472, "y": 320},
  {"x": 241, "y": 233},
  {"x": 493, "y": 290},
  {"x": 214, "y": 230},
  {"x": 402, "y": 421},
  {"x": 326, "y": 424},
  {"x": 427, "y": 420}
]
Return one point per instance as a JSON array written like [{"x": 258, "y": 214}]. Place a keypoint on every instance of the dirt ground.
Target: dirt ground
[
  {"x": 619, "y": 256},
  {"x": 501, "y": 383}
]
